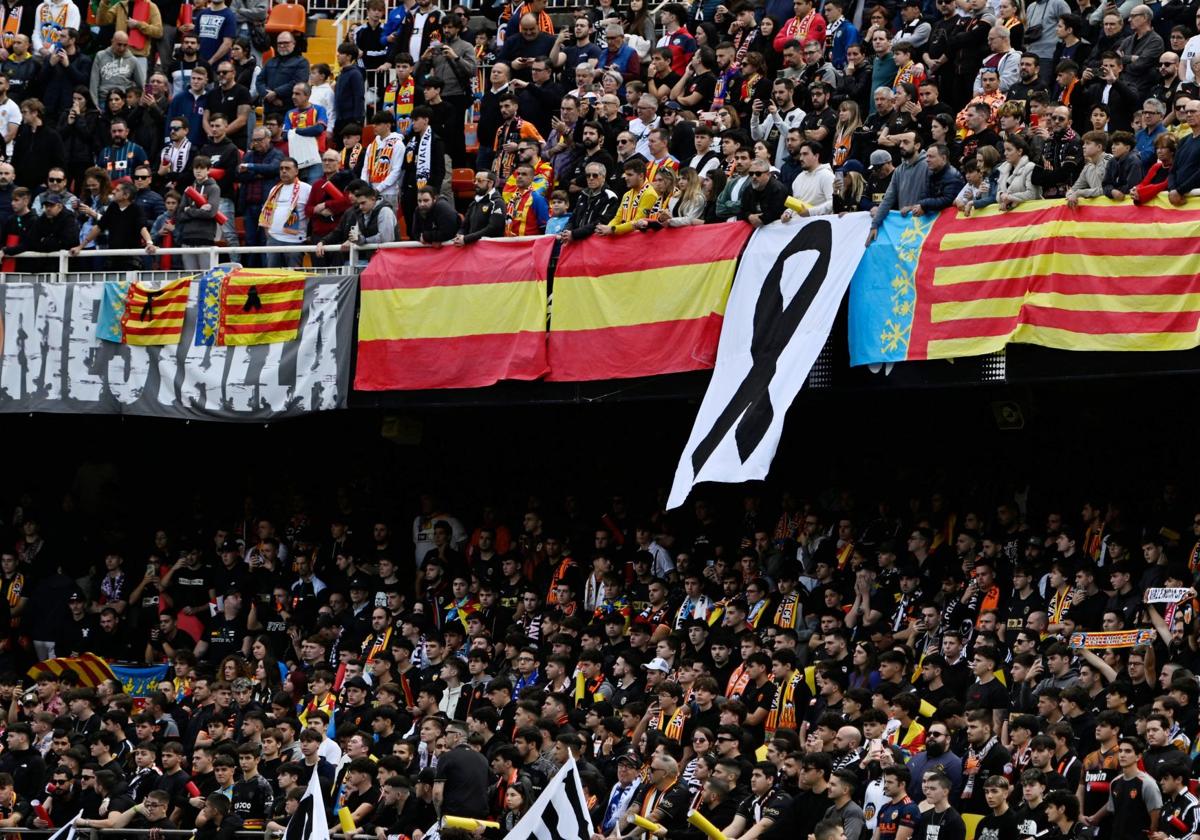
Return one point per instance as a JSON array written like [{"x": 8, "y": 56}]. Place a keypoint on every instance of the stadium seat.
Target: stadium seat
[
  {"x": 287, "y": 17},
  {"x": 463, "y": 182}
]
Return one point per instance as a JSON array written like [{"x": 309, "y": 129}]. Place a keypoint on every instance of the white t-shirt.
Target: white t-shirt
[
  {"x": 323, "y": 95},
  {"x": 10, "y": 115},
  {"x": 283, "y": 208},
  {"x": 1190, "y": 50},
  {"x": 414, "y": 41}
]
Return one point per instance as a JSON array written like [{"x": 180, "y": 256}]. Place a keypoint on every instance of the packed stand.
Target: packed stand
[
  {"x": 837, "y": 672},
  {"x": 124, "y": 131}
]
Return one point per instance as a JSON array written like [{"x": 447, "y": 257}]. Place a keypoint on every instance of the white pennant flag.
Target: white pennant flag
[
  {"x": 310, "y": 821},
  {"x": 67, "y": 831},
  {"x": 560, "y": 813}
]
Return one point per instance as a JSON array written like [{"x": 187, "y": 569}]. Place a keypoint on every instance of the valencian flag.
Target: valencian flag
[
  {"x": 642, "y": 305},
  {"x": 1102, "y": 276},
  {"x": 208, "y": 302},
  {"x": 91, "y": 669},
  {"x": 143, "y": 313},
  {"x": 453, "y": 317},
  {"x": 260, "y": 306}
]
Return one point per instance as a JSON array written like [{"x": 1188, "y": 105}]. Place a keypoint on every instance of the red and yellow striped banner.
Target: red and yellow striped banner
[
  {"x": 155, "y": 316},
  {"x": 92, "y": 670},
  {"x": 453, "y": 317},
  {"x": 260, "y": 306},
  {"x": 1102, "y": 276},
  {"x": 643, "y": 304}
]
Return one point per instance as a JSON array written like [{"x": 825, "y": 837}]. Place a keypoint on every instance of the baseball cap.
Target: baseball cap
[
  {"x": 879, "y": 157},
  {"x": 358, "y": 682},
  {"x": 50, "y": 198},
  {"x": 657, "y": 664},
  {"x": 629, "y": 758}
]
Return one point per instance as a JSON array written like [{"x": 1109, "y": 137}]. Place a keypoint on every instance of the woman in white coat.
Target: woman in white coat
[{"x": 1015, "y": 181}]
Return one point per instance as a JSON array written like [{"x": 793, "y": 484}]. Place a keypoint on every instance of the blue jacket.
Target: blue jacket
[
  {"x": 280, "y": 74},
  {"x": 349, "y": 97},
  {"x": 943, "y": 188},
  {"x": 1144, "y": 145},
  {"x": 1185, "y": 173},
  {"x": 845, "y": 35},
  {"x": 394, "y": 21},
  {"x": 187, "y": 106}
]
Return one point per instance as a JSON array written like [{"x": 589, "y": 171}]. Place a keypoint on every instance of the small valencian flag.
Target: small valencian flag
[
  {"x": 143, "y": 313},
  {"x": 208, "y": 303},
  {"x": 261, "y": 306}
]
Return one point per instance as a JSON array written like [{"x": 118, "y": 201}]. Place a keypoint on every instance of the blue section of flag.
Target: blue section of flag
[
  {"x": 208, "y": 303},
  {"x": 109, "y": 325},
  {"x": 139, "y": 682},
  {"x": 883, "y": 291}
]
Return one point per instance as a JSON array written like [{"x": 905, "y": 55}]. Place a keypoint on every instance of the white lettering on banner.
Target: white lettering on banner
[
  {"x": 51, "y": 360},
  {"x": 789, "y": 284}
]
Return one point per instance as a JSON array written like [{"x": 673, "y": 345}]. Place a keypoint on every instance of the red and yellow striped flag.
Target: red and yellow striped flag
[
  {"x": 261, "y": 306},
  {"x": 453, "y": 317},
  {"x": 642, "y": 304},
  {"x": 1103, "y": 276},
  {"x": 92, "y": 670},
  {"x": 155, "y": 316}
]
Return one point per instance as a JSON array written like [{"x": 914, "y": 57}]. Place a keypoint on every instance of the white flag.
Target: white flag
[
  {"x": 67, "y": 830},
  {"x": 560, "y": 813},
  {"x": 310, "y": 821},
  {"x": 789, "y": 284}
]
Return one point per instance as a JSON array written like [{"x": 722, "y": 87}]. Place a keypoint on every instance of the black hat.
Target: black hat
[
  {"x": 358, "y": 682},
  {"x": 360, "y": 583},
  {"x": 909, "y": 571},
  {"x": 76, "y": 595},
  {"x": 230, "y": 546},
  {"x": 233, "y": 589},
  {"x": 630, "y": 758}
]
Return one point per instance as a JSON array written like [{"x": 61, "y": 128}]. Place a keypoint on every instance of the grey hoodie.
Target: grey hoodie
[
  {"x": 907, "y": 187},
  {"x": 111, "y": 73},
  {"x": 1090, "y": 182}
]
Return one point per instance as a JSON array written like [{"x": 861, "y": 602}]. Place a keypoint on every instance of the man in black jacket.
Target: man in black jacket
[
  {"x": 486, "y": 215},
  {"x": 424, "y": 162},
  {"x": 763, "y": 203},
  {"x": 595, "y": 205},
  {"x": 435, "y": 220}
]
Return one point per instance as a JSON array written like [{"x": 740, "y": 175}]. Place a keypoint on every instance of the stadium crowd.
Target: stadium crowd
[
  {"x": 142, "y": 133},
  {"x": 788, "y": 670}
]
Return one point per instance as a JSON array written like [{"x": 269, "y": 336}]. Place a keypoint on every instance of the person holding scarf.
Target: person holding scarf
[
  {"x": 424, "y": 162},
  {"x": 527, "y": 210},
  {"x": 284, "y": 215},
  {"x": 383, "y": 160},
  {"x": 308, "y": 120},
  {"x": 511, "y": 132},
  {"x": 792, "y": 693},
  {"x": 638, "y": 202},
  {"x": 806, "y": 26}
]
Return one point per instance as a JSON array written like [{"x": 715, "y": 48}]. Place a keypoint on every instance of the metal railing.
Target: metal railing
[
  {"x": 98, "y": 833},
  {"x": 347, "y": 19},
  {"x": 212, "y": 255}
]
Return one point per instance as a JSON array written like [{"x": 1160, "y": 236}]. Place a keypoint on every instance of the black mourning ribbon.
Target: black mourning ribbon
[
  {"x": 147, "y": 313},
  {"x": 774, "y": 326},
  {"x": 253, "y": 301}
]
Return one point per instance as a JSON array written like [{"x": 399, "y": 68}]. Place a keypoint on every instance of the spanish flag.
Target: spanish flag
[
  {"x": 92, "y": 670},
  {"x": 644, "y": 304},
  {"x": 143, "y": 313},
  {"x": 453, "y": 317},
  {"x": 260, "y": 306}
]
